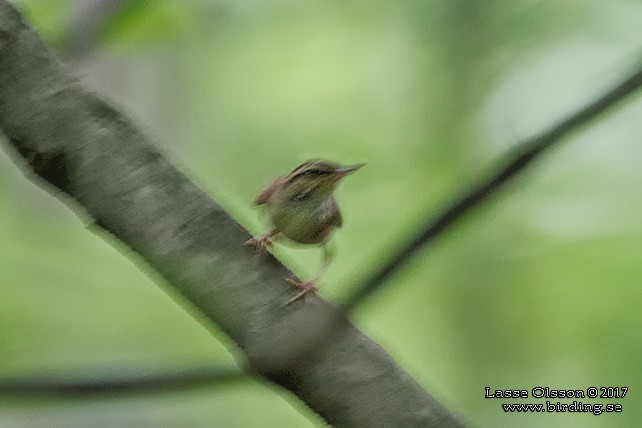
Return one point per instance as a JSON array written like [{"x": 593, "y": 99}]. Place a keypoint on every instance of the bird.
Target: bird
[{"x": 301, "y": 207}]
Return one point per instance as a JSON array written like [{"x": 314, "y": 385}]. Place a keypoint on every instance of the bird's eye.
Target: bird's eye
[
  {"x": 315, "y": 172},
  {"x": 312, "y": 172}
]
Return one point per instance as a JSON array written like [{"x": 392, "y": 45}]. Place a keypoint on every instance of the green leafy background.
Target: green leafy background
[{"x": 540, "y": 286}]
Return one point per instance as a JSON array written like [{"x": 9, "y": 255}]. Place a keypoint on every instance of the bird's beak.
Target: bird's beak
[{"x": 345, "y": 170}]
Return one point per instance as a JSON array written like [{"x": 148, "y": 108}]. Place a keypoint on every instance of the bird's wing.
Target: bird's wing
[
  {"x": 268, "y": 191},
  {"x": 336, "y": 220}
]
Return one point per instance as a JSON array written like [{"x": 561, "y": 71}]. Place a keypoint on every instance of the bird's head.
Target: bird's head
[{"x": 316, "y": 178}]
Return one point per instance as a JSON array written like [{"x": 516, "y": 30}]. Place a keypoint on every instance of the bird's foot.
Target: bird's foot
[
  {"x": 305, "y": 286},
  {"x": 261, "y": 242}
]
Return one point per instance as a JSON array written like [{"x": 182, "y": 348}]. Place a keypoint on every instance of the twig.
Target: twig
[
  {"x": 513, "y": 163},
  {"x": 128, "y": 382}
]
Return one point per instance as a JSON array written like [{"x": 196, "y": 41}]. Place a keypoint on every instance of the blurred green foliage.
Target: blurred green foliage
[{"x": 538, "y": 287}]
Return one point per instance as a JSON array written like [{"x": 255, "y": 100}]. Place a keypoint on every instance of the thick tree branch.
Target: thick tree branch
[
  {"x": 506, "y": 169},
  {"x": 89, "y": 151}
]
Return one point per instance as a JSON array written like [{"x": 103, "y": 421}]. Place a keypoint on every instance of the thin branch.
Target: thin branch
[
  {"x": 513, "y": 163},
  {"x": 128, "y": 382},
  {"x": 96, "y": 161},
  {"x": 87, "y": 22}
]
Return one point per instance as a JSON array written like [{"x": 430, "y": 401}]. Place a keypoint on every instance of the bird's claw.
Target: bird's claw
[
  {"x": 305, "y": 286},
  {"x": 261, "y": 242}
]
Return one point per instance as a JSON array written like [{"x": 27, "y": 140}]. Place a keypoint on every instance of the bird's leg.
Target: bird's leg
[
  {"x": 262, "y": 242},
  {"x": 310, "y": 286}
]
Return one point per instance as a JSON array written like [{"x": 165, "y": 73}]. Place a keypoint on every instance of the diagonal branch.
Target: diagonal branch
[
  {"x": 127, "y": 382},
  {"x": 507, "y": 168},
  {"x": 97, "y": 162}
]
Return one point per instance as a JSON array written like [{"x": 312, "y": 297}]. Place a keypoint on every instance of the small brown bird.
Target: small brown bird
[{"x": 301, "y": 207}]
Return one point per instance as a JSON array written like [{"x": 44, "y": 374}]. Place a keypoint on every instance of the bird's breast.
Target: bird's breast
[{"x": 306, "y": 222}]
